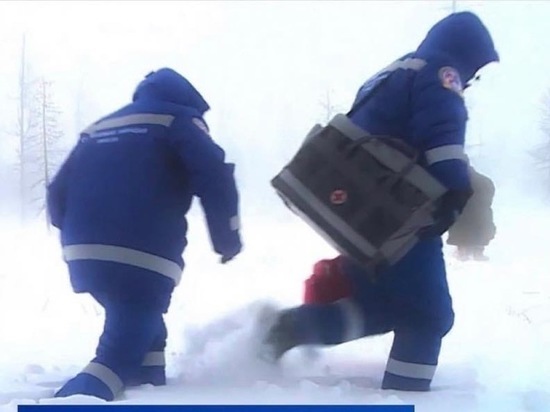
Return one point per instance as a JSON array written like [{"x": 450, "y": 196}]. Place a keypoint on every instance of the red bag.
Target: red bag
[{"x": 327, "y": 284}]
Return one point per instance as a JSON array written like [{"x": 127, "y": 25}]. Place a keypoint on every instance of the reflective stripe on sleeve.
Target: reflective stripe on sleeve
[
  {"x": 447, "y": 152},
  {"x": 235, "y": 223}
]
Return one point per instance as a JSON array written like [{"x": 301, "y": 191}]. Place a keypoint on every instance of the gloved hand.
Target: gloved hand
[
  {"x": 445, "y": 215},
  {"x": 226, "y": 257},
  {"x": 440, "y": 226}
]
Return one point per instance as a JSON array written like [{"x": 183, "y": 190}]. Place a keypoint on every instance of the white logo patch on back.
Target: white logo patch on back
[{"x": 201, "y": 125}]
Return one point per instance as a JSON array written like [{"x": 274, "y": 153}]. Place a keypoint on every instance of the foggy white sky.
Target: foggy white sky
[{"x": 264, "y": 67}]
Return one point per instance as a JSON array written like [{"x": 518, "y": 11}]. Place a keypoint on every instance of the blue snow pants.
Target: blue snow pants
[
  {"x": 410, "y": 299},
  {"x": 131, "y": 348}
]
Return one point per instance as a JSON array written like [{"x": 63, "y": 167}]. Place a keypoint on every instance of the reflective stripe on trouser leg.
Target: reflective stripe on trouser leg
[
  {"x": 413, "y": 360},
  {"x": 129, "y": 334},
  {"x": 408, "y": 376},
  {"x": 156, "y": 355},
  {"x": 105, "y": 375},
  {"x": 156, "y": 358},
  {"x": 410, "y": 369},
  {"x": 153, "y": 369}
]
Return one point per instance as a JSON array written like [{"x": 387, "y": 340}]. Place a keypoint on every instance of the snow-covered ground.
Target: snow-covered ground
[{"x": 495, "y": 359}]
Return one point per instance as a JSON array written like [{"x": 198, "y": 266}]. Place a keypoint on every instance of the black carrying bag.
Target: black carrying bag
[{"x": 366, "y": 195}]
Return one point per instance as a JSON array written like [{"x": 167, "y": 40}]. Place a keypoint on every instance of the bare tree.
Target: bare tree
[
  {"x": 27, "y": 131},
  {"x": 330, "y": 109},
  {"x": 45, "y": 149},
  {"x": 39, "y": 135}
]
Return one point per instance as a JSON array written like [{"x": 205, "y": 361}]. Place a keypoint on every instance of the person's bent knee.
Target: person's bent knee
[{"x": 443, "y": 325}]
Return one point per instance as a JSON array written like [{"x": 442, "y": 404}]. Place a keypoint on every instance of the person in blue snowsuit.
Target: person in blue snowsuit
[
  {"x": 417, "y": 98},
  {"x": 120, "y": 201}
]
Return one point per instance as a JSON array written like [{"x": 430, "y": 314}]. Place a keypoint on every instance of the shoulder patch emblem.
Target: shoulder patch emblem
[
  {"x": 450, "y": 79},
  {"x": 201, "y": 125}
]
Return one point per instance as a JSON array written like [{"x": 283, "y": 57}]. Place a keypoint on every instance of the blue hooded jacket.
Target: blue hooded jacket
[
  {"x": 420, "y": 106},
  {"x": 123, "y": 193},
  {"x": 419, "y": 99},
  {"x": 412, "y": 100}
]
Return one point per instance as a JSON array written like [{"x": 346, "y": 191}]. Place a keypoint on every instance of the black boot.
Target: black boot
[{"x": 281, "y": 336}]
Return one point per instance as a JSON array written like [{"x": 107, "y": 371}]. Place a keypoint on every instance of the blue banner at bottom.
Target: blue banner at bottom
[{"x": 216, "y": 408}]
